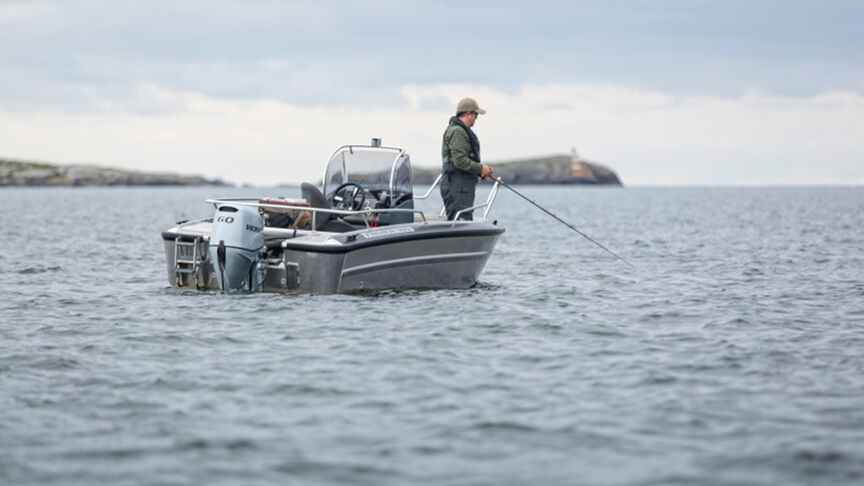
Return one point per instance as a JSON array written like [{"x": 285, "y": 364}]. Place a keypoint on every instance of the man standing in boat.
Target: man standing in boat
[{"x": 460, "y": 152}]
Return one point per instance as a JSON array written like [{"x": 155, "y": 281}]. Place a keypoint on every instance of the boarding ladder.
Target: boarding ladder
[{"x": 187, "y": 259}]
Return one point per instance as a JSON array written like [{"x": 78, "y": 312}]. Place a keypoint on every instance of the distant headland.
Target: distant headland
[
  {"x": 25, "y": 173},
  {"x": 552, "y": 169}
]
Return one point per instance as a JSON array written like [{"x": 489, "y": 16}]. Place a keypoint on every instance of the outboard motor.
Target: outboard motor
[{"x": 235, "y": 246}]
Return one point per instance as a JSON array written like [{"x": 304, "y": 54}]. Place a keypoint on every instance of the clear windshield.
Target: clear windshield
[{"x": 382, "y": 171}]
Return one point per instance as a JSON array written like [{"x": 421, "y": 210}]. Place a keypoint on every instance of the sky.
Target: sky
[{"x": 665, "y": 92}]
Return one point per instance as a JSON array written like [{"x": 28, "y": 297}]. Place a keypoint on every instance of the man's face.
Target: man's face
[{"x": 470, "y": 118}]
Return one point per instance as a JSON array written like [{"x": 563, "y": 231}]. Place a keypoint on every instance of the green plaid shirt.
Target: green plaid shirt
[{"x": 457, "y": 146}]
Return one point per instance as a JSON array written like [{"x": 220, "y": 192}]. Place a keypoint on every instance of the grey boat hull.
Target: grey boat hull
[{"x": 434, "y": 255}]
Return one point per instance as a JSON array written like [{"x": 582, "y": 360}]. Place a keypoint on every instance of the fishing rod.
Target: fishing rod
[{"x": 565, "y": 223}]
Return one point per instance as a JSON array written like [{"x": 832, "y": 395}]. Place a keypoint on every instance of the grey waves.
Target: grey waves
[{"x": 730, "y": 354}]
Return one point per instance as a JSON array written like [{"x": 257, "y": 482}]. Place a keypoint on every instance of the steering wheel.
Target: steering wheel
[{"x": 349, "y": 196}]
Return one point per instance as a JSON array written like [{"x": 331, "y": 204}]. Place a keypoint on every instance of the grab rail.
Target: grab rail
[
  {"x": 253, "y": 202},
  {"x": 487, "y": 205},
  {"x": 424, "y": 196}
]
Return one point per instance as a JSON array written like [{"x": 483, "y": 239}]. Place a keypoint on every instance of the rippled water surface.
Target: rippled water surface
[{"x": 733, "y": 353}]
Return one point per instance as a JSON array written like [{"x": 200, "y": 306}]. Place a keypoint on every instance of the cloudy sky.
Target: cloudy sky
[{"x": 666, "y": 92}]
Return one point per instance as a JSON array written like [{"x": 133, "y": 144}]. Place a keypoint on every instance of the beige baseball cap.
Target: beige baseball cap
[{"x": 469, "y": 104}]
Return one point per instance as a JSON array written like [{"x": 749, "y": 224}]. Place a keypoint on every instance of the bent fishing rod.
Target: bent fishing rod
[{"x": 565, "y": 223}]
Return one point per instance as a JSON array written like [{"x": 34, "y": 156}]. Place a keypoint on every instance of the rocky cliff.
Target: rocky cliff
[
  {"x": 22, "y": 173},
  {"x": 554, "y": 169}
]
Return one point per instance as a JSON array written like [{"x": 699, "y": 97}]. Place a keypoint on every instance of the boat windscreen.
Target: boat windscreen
[{"x": 376, "y": 169}]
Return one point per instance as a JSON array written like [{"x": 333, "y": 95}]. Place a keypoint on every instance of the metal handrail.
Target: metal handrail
[
  {"x": 487, "y": 205},
  {"x": 424, "y": 196},
  {"x": 437, "y": 180},
  {"x": 253, "y": 202},
  {"x": 492, "y": 194}
]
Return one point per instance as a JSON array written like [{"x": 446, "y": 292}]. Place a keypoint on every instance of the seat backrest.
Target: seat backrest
[{"x": 313, "y": 196}]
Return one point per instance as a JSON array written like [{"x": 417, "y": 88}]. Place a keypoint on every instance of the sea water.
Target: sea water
[{"x": 731, "y": 353}]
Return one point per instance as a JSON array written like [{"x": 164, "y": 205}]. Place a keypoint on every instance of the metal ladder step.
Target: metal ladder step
[{"x": 185, "y": 264}]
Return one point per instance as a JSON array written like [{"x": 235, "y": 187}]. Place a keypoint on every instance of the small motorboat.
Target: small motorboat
[{"x": 361, "y": 231}]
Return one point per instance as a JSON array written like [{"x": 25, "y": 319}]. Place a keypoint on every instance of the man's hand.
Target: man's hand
[{"x": 485, "y": 172}]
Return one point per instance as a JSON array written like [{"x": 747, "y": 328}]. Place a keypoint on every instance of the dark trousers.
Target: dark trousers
[{"x": 457, "y": 191}]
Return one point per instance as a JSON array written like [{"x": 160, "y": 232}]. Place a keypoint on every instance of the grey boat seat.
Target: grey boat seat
[{"x": 323, "y": 221}]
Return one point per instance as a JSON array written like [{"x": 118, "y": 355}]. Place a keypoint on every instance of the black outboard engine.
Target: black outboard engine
[{"x": 235, "y": 248}]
